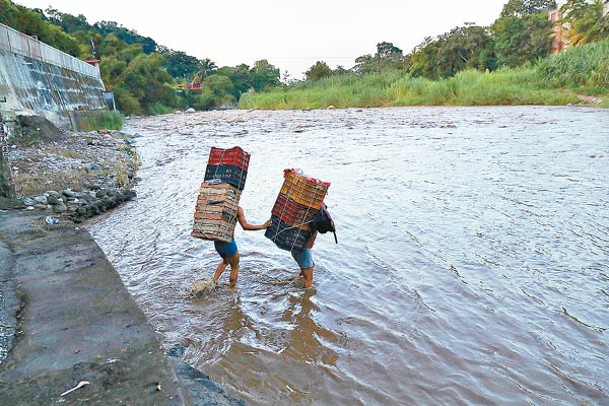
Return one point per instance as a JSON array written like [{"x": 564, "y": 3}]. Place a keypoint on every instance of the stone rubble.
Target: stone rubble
[{"x": 72, "y": 175}]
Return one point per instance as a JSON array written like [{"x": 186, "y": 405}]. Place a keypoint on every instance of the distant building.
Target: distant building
[{"x": 559, "y": 41}]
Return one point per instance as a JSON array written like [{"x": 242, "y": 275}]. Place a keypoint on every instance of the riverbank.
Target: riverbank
[
  {"x": 67, "y": 318},
  {"x": 65, "y": 315}
]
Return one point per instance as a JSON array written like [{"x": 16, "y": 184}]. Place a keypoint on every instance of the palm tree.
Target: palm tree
[{"x": 586, "y": 22}]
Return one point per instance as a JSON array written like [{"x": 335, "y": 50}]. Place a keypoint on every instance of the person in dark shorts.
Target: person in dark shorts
[{"x": 230, "y": 253}]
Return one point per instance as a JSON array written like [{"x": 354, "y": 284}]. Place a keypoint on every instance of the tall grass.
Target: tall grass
[
  {"x": 109, "y": 120},
  {"x": 470, "y": 88},
  {"x": 585, "y": 67}
]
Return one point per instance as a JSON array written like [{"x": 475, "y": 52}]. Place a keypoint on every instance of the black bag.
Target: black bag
[{"x": 322, "y": 222}]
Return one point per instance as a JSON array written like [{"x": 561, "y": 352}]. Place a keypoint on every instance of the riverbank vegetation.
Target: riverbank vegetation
[
  {"x": 533, "y": 53},
  {"x": 557, "y": 80}
]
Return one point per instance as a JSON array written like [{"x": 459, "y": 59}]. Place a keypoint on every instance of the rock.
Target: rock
[
  {"x": 190, "y": 111},
  {"x": 53, "y": 201},
  {"x": 71, "y": 193},
  {"x": 28, "y": 201},
  {"x": 60, "y": 208},
  {"x": 178, "y": 112},
  {"x": 53, "y": 193},
  {"x": 41, "y": 199}
]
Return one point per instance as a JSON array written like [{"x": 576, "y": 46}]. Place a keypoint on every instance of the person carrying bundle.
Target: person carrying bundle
[{"x": 230, "y": 253}]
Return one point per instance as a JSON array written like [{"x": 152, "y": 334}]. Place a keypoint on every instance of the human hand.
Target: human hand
[{"x": 267, "y": 224}]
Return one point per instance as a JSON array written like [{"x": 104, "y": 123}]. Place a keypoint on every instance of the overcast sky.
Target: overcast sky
[{"x": 291, "y": 35}]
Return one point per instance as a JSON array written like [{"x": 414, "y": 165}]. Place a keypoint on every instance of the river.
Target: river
[{"x": 472, "y": 264}]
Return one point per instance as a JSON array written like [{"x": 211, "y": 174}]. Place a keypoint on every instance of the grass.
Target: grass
[
  {"x": 468, "y": 88},
  {"x": 554, "y": 81},
  {"x": 104, "y": 120}
]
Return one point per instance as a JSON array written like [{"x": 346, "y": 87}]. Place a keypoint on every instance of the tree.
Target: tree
[
  {"x": 67, "y": 22},
  {"x": 586, "y": 21},
  {"x": 521, "y": 8},
  {"x": 387, "y": 51},
  {"x": 264, "y": 75},
  {"x": 126, "y": 35},
  {"x": 147, "y": 81},
  {"x": 466, "y": 47},
  {"x": 386, "y": 59},
  {"x": 178, "y": 63},
  {"x": 318, "y": 71},
  {"x": 522, "y": 38},
  {"x": 206, "y": 68},
  {"x": 239, "y": 76},
  {"x": 216, "y": 91},
  {"x": 423, "y": 59},
  {"x": 33, "y": 22}
]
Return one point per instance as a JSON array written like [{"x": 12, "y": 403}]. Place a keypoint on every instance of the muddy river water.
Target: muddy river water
[{"x": 472, "y": 264}]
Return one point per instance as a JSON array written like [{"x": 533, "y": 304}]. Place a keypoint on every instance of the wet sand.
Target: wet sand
[{"x": 66, "y": 317}]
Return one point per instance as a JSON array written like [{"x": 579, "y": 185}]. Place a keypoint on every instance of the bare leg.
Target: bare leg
[
  {"x": 234, "y": 270},
  {"x": 307, "y": 277},
  {"x": 219, "y": 270}
]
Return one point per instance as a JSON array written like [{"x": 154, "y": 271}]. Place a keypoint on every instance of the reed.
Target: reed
[
  {"x": 584, "y": 67},
  {"x": 521, "y": 86}
]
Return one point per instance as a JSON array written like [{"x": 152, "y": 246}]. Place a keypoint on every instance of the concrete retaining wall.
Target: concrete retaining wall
[{"x": 38, "y": 79}]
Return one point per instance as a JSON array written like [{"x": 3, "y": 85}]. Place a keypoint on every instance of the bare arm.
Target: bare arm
[
  {"x": 248, "y": 226},
  {"x": 311, "y": 239}
]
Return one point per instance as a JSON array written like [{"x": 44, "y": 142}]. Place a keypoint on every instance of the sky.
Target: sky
[{"x": 291, "y": 35}]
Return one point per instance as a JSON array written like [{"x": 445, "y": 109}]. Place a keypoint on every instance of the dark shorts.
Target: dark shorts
[
  {"x": 226, "y": 249},
  {"x": 303, "y": 257}
]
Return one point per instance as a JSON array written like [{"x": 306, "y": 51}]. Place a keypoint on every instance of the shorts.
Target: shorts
[
  {"x": 226, "y": 249},
  {"x": 303, "y": 257}
]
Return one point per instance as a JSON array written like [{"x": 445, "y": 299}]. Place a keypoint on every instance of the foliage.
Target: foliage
[
  {"x": 466, "y": 47},
  {"x": 32, "y": 22},
  {"x": 179, "y": 64},
  {"x": 206, "y": 68},
  {"x": 521, "y": 8},
  {"x": 318, "y": 71},
  {"x": 586, "y": 21},
  {"x": 264, "y": 75},
  {"x": 523, "y": 39},
  {"x": 126, "y": 35},
  {"x": 586, "y": 66},
  {"x": 242, "y": 79},
  {"x": 217, "y": 91},
  {"x": 470, "y": 87},
  {"x": 387, "y": 58},
  {"x": 143, "y": 73}
]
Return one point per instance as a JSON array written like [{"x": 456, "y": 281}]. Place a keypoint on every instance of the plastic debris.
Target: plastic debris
[
  {"x": 80, "y": 385},
  {"x": 52, "y": 220}
]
